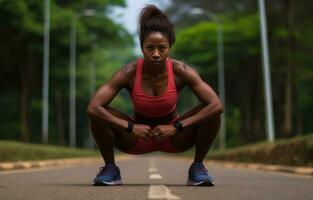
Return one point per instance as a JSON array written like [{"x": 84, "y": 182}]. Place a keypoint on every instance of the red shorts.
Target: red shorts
[{"x": 164, "y": 145}]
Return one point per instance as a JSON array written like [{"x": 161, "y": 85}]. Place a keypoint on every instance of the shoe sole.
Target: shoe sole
[
  {"x": 104, "y": 183},
  {"x": 201, "y": 183}
]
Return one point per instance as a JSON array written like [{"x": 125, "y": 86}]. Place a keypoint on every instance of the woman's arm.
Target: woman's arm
[
  {"x": 206, "y": 95},
  {"x": 103, "y": 97}
]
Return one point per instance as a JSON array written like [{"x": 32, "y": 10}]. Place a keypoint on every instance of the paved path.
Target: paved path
[{"x": 151, "y": 177}]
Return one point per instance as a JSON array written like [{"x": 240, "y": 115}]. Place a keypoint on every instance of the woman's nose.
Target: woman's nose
[{"x": 156, "y": 54}]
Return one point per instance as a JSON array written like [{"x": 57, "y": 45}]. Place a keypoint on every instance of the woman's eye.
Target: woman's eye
[{"x": 162, "y": 48}]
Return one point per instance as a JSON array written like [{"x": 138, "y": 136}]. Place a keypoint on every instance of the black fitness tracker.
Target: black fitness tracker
[
  {"x": 130, "y": 127},
  {"x": 178, "y": 125}
]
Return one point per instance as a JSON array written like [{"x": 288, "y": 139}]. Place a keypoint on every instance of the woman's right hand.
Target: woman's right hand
[{"x": 143, "y": 131}]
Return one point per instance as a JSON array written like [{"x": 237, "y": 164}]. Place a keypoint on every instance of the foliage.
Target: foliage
[
  {"x": 107, "y": 46},
  {"x": 201, "y": 52},
  {"x": 290, "y": 43},
  {"x": 21, "y": 55}
]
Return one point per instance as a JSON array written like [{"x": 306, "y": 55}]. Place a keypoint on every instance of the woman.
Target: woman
[{"x": 153, "y": 83}]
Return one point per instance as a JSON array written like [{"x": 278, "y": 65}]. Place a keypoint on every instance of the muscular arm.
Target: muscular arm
[
  {"x": 207, "y": 96},
  {"x": 98, "y": 106}
]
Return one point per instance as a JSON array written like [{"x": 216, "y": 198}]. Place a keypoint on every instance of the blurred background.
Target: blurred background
[{"x": 54, "y": 54}]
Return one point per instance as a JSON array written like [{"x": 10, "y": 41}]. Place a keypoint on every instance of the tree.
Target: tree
[
  {"x": 21, "y": 59},
  {"x": 289, "y": 28}
]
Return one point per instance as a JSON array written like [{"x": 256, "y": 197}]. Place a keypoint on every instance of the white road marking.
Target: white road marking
[
  {"x": 155, "y": 176},
  {"x": 160, "y": 192},
  {"x": 153, "y": 169}
]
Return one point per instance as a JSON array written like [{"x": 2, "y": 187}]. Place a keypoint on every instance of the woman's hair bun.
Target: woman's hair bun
[{"x": 152, "y": 19}]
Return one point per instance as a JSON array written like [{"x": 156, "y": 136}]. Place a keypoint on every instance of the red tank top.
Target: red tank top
[{"x": 154, "y": 106}]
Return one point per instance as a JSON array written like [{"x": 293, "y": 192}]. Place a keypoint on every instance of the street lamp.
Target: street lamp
[
  {"x": 221, "y": 78},
  {"x": 266, "y": 73},
  {"x": 72, "y": 115},
  {"x": 45, "y": 78}
]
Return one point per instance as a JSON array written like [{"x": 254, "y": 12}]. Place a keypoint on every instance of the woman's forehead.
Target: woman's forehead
[{"x": 156, "y": 37}]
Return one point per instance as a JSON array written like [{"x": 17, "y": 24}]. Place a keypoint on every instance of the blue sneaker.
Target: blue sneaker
[
  {"x": 198, "y": 175},
  {"x": 108, "y": 175}
]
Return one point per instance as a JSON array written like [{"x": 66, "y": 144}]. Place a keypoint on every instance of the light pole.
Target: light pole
[
  {"x": 266, "y": 73},
  {"x": 72, "y": 115},
  {"x": 45, "y": 78},
  {"x": 221, "y": 71},
  {"x": 92, "y": 88}
]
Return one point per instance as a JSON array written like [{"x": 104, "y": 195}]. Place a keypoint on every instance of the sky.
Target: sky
[{"x": 128, "y": 16}]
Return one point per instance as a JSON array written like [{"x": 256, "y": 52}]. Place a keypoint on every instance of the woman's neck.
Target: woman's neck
[{"x": 153, "y": 70}]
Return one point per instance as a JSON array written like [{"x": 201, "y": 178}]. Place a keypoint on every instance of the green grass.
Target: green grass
[
  {"x": 17, "y": 151},
  {"x": 297, "y": 151}
]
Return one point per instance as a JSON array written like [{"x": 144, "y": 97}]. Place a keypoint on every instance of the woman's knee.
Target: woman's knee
[
  {"x": 99, "y": 129},
  {"x": 97, "y": 123},
  {"x": 215, "y": 122},
  {"x": 212, "y": 122}
]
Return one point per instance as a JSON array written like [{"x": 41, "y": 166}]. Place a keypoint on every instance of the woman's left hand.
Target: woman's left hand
[{"x": 163, "y": 131}]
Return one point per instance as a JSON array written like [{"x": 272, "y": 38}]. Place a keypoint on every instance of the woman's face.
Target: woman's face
[{"x": 155, "y": 48}]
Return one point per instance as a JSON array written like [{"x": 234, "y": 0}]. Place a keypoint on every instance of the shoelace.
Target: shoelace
[
  {"x": 201, "y": 168},
  {"x": 103, "y": 170}
]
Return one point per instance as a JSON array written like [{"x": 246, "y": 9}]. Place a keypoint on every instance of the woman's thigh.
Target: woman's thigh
[
  {"x": 123, "y": 140},
  {"x": 185, "y": 139}
]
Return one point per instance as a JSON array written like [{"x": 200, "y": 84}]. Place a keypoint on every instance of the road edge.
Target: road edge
[
  {"x": 298, "y": 170},
  {"x": 7, "y": 166}
]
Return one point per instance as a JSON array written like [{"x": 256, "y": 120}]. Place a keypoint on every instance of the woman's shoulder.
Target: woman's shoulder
[
  {"x": 184, "y": 73},
  {"x": 128, "y": 73},
  {"x": 180, "y": 67}
]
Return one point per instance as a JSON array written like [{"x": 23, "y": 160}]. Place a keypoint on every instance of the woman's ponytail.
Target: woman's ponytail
[{"x": 152, "y": 19}]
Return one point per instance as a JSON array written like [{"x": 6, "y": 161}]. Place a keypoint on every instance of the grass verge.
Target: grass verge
[
  {"x": 297, "y": 151},
  {"x": 17, "y": 151}
]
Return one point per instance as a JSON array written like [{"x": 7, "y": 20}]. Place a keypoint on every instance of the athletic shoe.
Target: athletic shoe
[
  {"x": 108, "y": 175},
  {"x": 198, "y": 175}
]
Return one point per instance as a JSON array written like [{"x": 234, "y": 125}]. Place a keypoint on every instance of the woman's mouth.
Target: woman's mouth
[{"x": 156, "y": 62}]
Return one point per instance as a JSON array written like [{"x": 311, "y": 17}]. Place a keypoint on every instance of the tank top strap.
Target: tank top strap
[
  {"x": 138, "y": 76},
  {"x": 169, "y": 66}
]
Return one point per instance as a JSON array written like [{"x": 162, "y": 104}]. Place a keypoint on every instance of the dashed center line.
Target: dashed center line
[
  {"x": 160, "y": 192},
  {"x": 152, "y": 169},
  {"x": 155, "y": 176}
]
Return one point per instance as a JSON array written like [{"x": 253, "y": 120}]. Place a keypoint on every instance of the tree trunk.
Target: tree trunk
[
  {"x": 289, "y": 84},
  {"x": 24, "y": 111},
  {"x": 59, "y": 116},
  {"x": 27, "y": 74},
  {"x": 250, "y": 101},
  {"x": 26, "y": 79}
]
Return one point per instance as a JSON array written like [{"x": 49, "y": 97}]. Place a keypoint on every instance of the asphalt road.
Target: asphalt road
[{"x": 151, "y": 177}]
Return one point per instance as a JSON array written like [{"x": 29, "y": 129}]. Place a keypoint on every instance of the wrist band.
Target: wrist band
[
  {"x": 178, "y": 125},
  {"x": 130, "y": 127}
]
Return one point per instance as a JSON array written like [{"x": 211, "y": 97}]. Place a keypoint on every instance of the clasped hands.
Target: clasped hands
[{"x": 153, "y": 133}]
